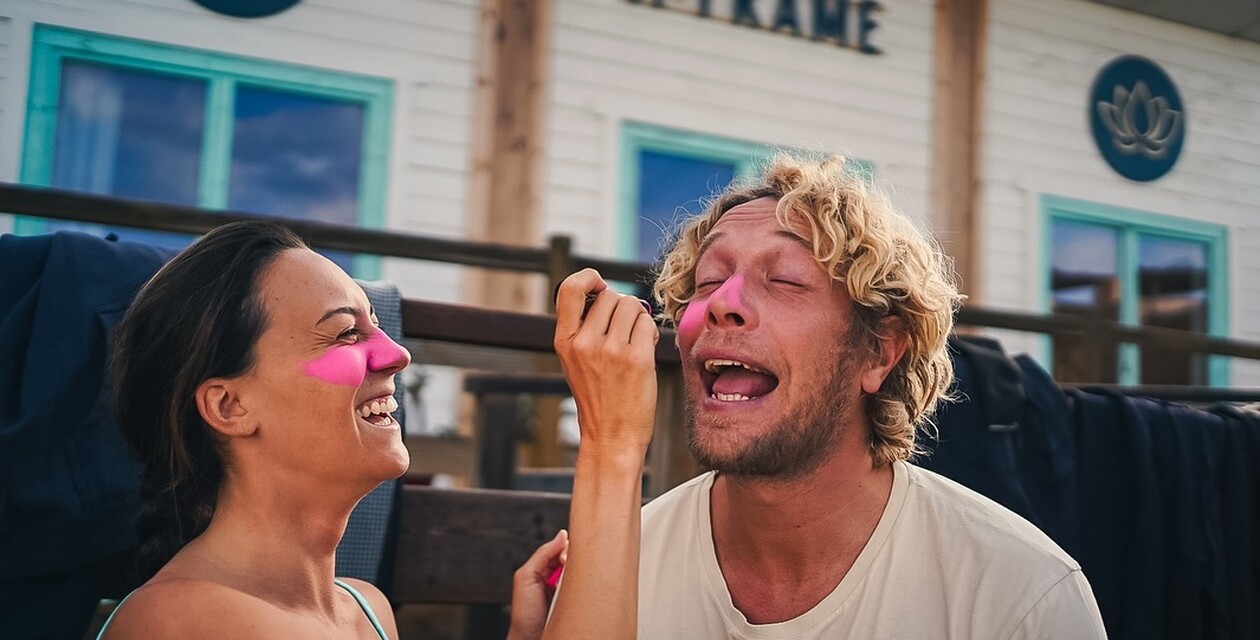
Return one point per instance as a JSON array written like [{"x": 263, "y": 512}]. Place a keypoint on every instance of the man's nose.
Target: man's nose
[
  {"x": 728, "y": 306},
  {"x": 385, "y": 355}
]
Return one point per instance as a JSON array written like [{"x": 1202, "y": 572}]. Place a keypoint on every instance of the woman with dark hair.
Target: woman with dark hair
[{"x": 253, "y": 383}]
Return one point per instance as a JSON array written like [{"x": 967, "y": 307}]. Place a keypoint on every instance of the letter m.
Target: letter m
[{"x": 830, "y": 21}]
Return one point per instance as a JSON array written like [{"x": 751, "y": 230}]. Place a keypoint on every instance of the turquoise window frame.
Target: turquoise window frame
[
  {"x": 222, "y": 73},
  {"x": 637, "y": 137},
  {"x": 1129, "y": 224}
]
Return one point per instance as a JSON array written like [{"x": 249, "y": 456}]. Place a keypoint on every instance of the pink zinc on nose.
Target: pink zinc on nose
[{"x": 349, "y": 364}]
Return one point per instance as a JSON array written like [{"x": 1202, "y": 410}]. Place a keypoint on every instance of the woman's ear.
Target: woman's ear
[
  {"x": 891, "y": 342},
  {"x": 220, "y": 406}
]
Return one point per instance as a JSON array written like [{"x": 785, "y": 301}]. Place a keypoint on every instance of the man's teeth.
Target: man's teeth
[
  {"x": 715, "y": 366},
  {"x": 388, "y": 405},
  {"x": 730, "y": 397}
]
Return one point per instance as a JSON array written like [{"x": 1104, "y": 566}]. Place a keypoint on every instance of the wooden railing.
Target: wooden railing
[{"x": 531, "y": 332}]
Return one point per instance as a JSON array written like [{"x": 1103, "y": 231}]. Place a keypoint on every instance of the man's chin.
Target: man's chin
[{"x": 771, "y": 454}]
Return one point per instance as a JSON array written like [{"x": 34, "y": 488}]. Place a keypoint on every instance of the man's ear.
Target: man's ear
[
  {"x": 891, "y": 341},
  {"x": 220, "y": 406}
]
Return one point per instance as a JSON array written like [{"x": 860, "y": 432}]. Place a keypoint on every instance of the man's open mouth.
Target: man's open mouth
[{"x": 734, "y": 381}]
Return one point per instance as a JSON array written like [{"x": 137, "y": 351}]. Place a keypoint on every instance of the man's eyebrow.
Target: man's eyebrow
[
  {"x": 708, "y": 241},
  {"x": 795, "y": 238}
]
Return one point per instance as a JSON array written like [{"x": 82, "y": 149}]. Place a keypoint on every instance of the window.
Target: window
[
  {"x": 1139, "y": 269},
  {"x": 141, "y": 120},
  {"x": 666, "y": 175}
]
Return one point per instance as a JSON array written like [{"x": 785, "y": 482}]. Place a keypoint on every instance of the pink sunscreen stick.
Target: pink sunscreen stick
[
  {"x": 554, "y": 579},
  {"x": 349, "y": 364}
]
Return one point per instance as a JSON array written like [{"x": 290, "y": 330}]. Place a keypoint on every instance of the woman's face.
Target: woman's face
[{"x": 321, "y": 389}]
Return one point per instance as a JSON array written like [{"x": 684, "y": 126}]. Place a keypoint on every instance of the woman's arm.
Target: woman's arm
[{"x": 608, "y": 354}]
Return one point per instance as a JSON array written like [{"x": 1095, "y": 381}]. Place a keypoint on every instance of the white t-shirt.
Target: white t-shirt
[{"x": 943, "y": 562}]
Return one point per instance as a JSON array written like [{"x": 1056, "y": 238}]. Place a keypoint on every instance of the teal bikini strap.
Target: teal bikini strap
[
  {"x": 367, "y": 608},
  {"x": 358, "y": 597},
  {"x": 111, "y": 616}
]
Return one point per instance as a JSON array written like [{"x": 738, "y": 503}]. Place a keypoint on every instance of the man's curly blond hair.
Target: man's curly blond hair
[{"x": 893, "y": 271}]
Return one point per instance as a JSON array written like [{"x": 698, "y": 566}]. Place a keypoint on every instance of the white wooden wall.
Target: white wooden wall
[
  {"x": 425, "y": 47},
  {"x": 1042, "y": 59},
  {"x": 613, "y": 61}
]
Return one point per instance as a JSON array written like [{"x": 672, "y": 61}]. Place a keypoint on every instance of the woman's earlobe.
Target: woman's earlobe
[{"x": 220, "y": 406}]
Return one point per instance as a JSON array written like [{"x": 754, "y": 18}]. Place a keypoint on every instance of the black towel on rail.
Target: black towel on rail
[
  {"x": 1047, "y": 456},
  {"x": 977, "y": 444},
  {"x": 1121, "y": 549}
]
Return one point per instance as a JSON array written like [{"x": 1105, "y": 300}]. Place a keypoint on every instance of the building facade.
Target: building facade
[{"x": 376, "y": 114}]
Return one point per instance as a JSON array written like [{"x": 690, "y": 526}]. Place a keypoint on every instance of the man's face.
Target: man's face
[{"x": 769, "y": 364}]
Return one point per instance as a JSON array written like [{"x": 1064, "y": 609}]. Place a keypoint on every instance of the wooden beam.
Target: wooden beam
[
  {"x": 142, "y": 214},
  {"x": 491, "y": 328},
  {"x": 59, "y": 204},
  {"x": 959, "y": 69}
]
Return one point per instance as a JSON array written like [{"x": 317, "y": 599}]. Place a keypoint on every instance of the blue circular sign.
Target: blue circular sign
[
  {"x": 247, "y": 8},
  {"x": 1138, "y": 120}
]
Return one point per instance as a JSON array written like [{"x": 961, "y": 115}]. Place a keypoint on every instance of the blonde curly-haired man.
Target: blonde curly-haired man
[{"x": 812, "y": 320}]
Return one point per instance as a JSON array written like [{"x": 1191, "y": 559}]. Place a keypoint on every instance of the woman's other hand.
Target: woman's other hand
[{"x": 531, "y": 595}]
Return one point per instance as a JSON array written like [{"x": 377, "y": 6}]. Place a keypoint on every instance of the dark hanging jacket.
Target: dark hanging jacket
[{"x": 68, "y": 485}]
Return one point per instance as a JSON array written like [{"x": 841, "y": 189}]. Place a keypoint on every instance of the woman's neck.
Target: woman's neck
[{"x": 278, "y": 545}]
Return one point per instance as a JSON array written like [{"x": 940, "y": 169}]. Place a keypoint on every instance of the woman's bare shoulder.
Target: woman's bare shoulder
[
  {"x": 181, "y": 607},
  {"x": 380, "y": 604}
]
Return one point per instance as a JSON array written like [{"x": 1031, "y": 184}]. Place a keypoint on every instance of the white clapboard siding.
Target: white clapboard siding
[
  {"x": 425, "y": 47},
  {"x": 1042, "y": 59},
  {"x": 613, "y": 61}
]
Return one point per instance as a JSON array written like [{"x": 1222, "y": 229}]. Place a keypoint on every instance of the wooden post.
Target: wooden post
[
  {"x": 497, "y": 424},
  {"x": 959, "y": 67},
  {"x": 546, "y": 450},
  {"x": 1095, "y": 344},
  {"x": 669, "y": 461},
  {"x": 508, "y": 114},
  {"x": 505, "y": 186},
  {"x": 559, "y": 266}
]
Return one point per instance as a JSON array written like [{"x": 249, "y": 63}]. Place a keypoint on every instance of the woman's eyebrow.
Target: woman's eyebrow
[{"x": 351, "y": 311}]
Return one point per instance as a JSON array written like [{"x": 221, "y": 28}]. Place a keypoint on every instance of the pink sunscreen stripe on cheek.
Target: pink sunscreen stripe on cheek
[
  {"x": 344, "y": 365},
  {"x": 347, "y": 365},
  {"x": 730, "y": 293},
  {"x": 693, "y": 317}
]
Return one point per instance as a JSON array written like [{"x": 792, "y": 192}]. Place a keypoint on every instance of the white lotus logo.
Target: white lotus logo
[{"x": 1163, "y": 123}]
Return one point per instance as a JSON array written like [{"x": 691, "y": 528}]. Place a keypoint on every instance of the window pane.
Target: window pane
[
  {"x": 1173, "y": 281},
  {"x": 128, "y": 133},
  {"x": 670, "y": 187},
  {"x": 1084, "y": 280},
  {"x": 297, "y": 156}
]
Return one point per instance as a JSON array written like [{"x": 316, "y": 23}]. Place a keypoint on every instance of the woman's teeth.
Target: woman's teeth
[{"x": 386, "y": 406}]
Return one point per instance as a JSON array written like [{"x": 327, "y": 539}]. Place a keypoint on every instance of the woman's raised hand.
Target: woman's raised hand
[{"x": 608, "y": 354}]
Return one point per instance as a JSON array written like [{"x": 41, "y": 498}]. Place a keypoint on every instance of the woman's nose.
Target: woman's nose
[{"x": 385, "y": 355}]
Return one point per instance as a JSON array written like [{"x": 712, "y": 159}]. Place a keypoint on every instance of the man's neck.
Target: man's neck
[{"x": 783, "y": 545}]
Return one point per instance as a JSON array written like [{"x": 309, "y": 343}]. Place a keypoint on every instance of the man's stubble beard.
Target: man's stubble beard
[{"x": 796, "y": 445}]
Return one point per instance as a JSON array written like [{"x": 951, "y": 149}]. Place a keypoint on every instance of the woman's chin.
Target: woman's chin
[{"x": 394, "y": 462}]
